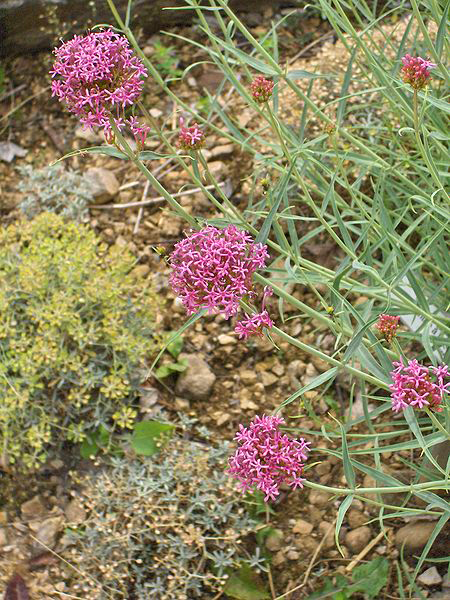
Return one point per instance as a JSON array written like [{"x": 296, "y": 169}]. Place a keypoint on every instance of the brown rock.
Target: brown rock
[
  {"x": 356, "y": 519},
  {"x": 328, "y": 533},
  {"x": 48, "y": 530},
  {"x": 248, "y": 376},
  {"x": 268, "y": 378},
  {"x": 34, "y": 508},
  {"x": 103, "y": 184},
  {"x": 75, "y": 512},
  {"x": 302, "y": 527},
  {"x": 274, "y": 540},
  {"x": 197, "y": 380},
  {"x": 358, "y": 538},
  {"x": 414, "y": 535},
  {"x": 319, "y": 498}
]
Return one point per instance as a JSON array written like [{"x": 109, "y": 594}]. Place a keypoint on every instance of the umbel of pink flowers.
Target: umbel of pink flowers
[
  {"x": 213, "y": 268},
  {"x": 190, "y": 138},
  {"x": 255, "y": 324},
  {"x": 416, "y": 71},
  {"x": 266, "y": 458},
  {"x": 414, "y": 386},
  {"x": 98, "y": 77}
]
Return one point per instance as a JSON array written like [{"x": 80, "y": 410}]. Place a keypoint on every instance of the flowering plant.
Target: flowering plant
[{"x": 355, "y": 221}]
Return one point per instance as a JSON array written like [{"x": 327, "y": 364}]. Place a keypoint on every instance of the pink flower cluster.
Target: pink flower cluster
[
  {"x": 190, "y": 138},
  {"x": 388, "y": 325},
  {"x": 266, "y": 458},
  {"x": 412, "y": 386},
  {"x": 254, "y": 324},
  {"x": 416, "y": 71},
  {"x": 213, "y": 268},
  {"x": 98, "y": 76},
  {"x": 262, "y": 89}
]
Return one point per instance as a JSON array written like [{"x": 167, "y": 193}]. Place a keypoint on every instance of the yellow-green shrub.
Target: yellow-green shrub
[{"x": 74, "y": 326}]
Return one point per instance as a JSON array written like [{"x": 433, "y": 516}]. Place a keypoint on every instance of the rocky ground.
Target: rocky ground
[{"x": 226, "y": 382}]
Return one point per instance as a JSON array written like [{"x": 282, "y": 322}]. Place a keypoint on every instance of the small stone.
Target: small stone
[
  {"x": 278, "y": 558},
  {"x": 221, "y": 151},
  {"x": 414, "y": 535},
  {"x": 48, "y": 530},
  {"x": 3, "y": 537},
  {"x": 149, "y": 397},
  {"x": 328, "y": 533},
  {"x": 268, "y": 378},
  {"x": 356, "y": 519},
  {"x": 156, "y": 113},
  {"x": 247, "y": 376},
  {"x": 103, "y": 184},
  {"x": 182, "y": 404},
  {"x": 274, "y": 540},
  {"x": 57, "y": 464},
  {"x": 247, "y": 404},
  {"x": 430, "y": 577},
  {"x": 140, "y": 271},
  {"x": 319, "y": 498},
  {"x": 218, "y": 170},
  {"x": 323, "y": 468},
  {"x": 75, "y": 512},
  {"x": 197, "y": 380},
  {"x": 222, "y": 419},
  {"x": 3, "y": 517},
  {"x": 358, "y": 538},
  {"x": 34, "y": 508},
  {"x": 302, "y": 527},
  {"x": 225, "y": 339},
  {"x": 293, "y": 555}
]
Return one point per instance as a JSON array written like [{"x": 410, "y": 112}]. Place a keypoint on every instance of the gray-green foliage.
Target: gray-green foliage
[
  {"x": 54, "y": 189},
  {"x": 162, "y": 527}
]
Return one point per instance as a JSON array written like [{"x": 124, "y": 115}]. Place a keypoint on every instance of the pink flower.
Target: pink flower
[
  {"x": 213, "y": 269},
  {"x": 416, "y": 71},
  {"x": 190, "y": 138},
  {"x": 261, "y": 89},
  {"x": 266, "y": 458},
  {"x": 97, "y": 76},
  {"x": 254, "y": 324},
  {"x": 388, "y": 325},
  {"x": 413, "y": 386}
]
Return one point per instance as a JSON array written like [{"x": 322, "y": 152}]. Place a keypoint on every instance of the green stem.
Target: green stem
[
  {"x": 423, "y": 152},
  {"x": 418, "y": 487},
  {"x": 332, "y": 361}
]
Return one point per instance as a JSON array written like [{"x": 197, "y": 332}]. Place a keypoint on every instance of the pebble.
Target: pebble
[
  {"x": 268, "y": 378},
  {"x": 302, "y": 527},
  {"x": 48, "y": 530},
  {"x": 356, "y": 519},
  {"x": 221, "y": 151},
  {"x": 225, "y": 339},
  {"x": 358, "y": 538},
  {"x": 247, "y": 376},
  {"x": 197, "y": 380},
  {"x": 103, "y": 184},
  {"x": 430, "y": 577},
  {"x": 274, "y": 540},
  {"x": 414, "y": 535},
  {"x": 293, "y": 555},
  {"x": 328, "y": 533},
  {"x": 34, "y": 508},
  {"x": 75, "y": 512},
  {"x": 319, "y": 498}
]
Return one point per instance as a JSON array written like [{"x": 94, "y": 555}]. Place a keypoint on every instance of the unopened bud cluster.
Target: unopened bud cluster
[{"x": 416, "y": 71}]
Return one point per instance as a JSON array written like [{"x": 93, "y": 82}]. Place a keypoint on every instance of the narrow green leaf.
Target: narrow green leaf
[{"x": 343, "y": 508}]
